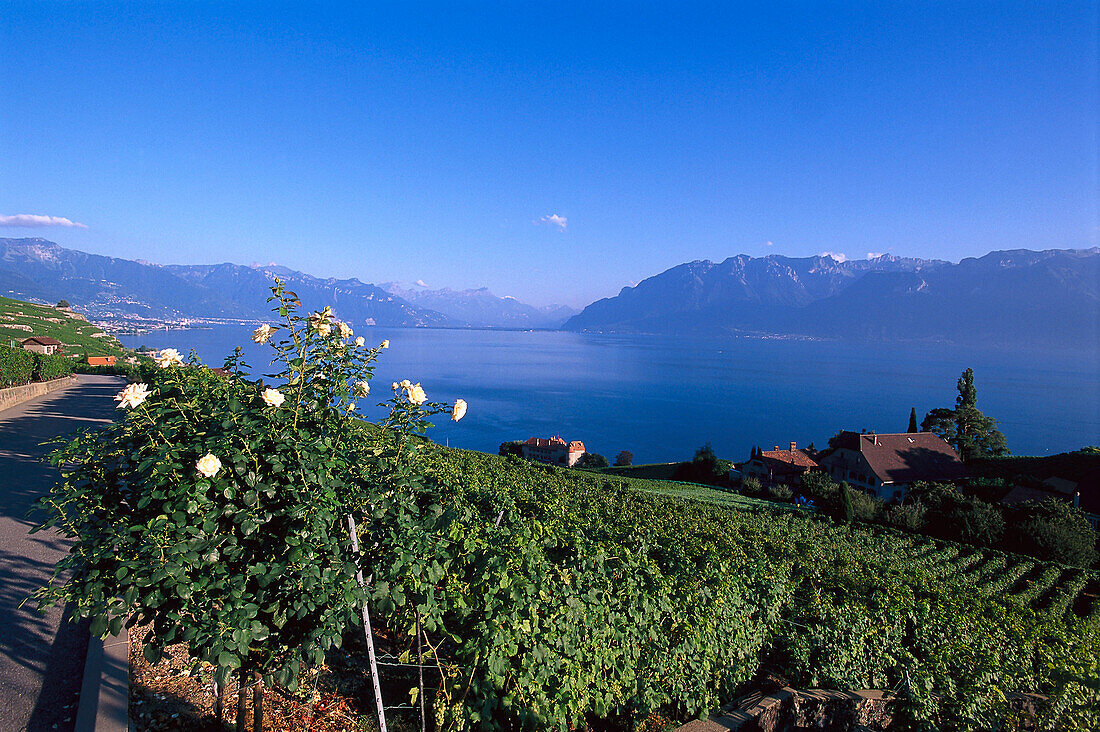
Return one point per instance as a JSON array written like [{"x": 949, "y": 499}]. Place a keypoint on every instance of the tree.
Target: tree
[
  {"x": 846, "y": 512},
  {"x": 912, "y": 421},
  {"x": 1052, "y": 530},
  {"x": 510, "y": 448},
  {"x": 965, "y": 428},
  {"x": 592, "y": 460},
  {"x": 62, "y": 303},
  {"x": 624, "y": 458}
]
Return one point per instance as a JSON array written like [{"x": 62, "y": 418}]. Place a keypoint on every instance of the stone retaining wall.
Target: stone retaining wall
[
  {"x": 14, "y": 395},
  {"x": 796, "y": 710}
]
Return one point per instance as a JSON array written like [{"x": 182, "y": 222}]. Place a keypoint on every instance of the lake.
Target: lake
[{"x": 661, "y": 398}]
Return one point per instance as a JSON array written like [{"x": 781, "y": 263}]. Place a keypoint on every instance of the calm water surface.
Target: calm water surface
[{"x": 661, "y": 397}]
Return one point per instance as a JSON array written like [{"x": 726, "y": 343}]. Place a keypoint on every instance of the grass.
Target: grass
[{"x": 80, "y": 338}]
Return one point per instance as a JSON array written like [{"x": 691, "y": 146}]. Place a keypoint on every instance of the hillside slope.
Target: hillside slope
[{"x": 20, "y": 320}]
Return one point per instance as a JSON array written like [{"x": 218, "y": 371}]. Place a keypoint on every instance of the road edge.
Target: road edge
[{"x": 105, "y": 691}]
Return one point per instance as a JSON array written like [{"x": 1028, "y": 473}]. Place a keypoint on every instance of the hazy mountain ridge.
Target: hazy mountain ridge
[
  {"x": 109, "y": 287},
  {"x": 480, "y": 308},
  {"x": 1050, "y": 298}
]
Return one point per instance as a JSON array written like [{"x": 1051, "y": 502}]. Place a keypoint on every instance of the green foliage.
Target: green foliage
[
  {"x": 705, "y": 467},
  {"x": 85, "y": 339},
  {"x": 1053, "y": 530},
  {"x": 63, "y": 303},
  {"x": 781, "y": 493},
  {"x": 550, "y": 598},
  {"x": 16, "y": 366},
  {"x": 214, "y": 509},
  {"x": 48, "y": 367},
  {"x": 624, "y": 459},
  {"x": 592, "y": 460},
  {"x": 951, "y": 514},
  {"x": 971, "y": 433},
  {"x": 845, "y": 512},
  {"x": 906, "y": 516},
  {"x": 511, "y": 448}
]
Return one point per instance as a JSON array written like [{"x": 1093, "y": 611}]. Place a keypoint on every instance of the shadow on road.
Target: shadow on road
[{"x": 41, "y": 658}]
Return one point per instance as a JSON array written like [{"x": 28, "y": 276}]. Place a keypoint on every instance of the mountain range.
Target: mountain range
[
  {"x": 1039, "y": 298},
  {"x": 481, "y": 308},
  {"x": 108, "y": 288},
  {"x": 1046, "y": 298}
]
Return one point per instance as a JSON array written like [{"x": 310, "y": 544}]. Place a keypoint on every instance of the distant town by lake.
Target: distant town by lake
[{"x": 661, "y": 398}]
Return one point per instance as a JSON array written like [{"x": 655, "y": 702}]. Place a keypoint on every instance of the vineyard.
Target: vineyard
[{"x": 740, "y": 587}]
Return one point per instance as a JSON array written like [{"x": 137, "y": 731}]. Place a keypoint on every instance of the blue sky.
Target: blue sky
[{"x": 555, "y": 152}]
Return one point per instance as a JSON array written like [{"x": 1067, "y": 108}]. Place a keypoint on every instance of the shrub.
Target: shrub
[
  {"x": 16, "y": 366},
  {"x": 592, "y": 460},
  {"x": 750, "y": 485},
  {"x": 215, "y": 510},
  {"x": 781, "y": 492},
  {"x": 908, "y": 516},
  {"x": 48, "y": 367},
  {"x": 624, "y": 459},
  {"x": 865, "y": 507},
  {"x": 1052, "y": 530}
]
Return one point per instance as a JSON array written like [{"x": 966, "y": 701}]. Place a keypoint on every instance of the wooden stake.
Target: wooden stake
[
  {"x": 257, "y": 702},
  {"x": 367, "y": 628},
  {"x": 242, "y": 700},
  {"x": 219, "y": 702},
  {"x": 420, "y": 670}
]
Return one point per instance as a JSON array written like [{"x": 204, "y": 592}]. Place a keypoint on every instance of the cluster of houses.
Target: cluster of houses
[
  {"x": 885, "y": 465},
  {"x": 52, "y": 346}
]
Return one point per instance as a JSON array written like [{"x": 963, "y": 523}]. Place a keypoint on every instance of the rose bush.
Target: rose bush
[{"x": 213, "y": 511}]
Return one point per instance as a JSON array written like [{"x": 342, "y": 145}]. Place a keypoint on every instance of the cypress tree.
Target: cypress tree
[{"x": 913, "y": 420}]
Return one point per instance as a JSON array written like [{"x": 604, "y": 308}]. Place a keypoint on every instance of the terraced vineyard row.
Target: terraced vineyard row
[{"x": 987, "y": 572}]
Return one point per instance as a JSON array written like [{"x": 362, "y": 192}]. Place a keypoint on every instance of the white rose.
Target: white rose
[
  {"x": 360, "y": 341},
  {"x": 385, "y": 344},
  {"x": 351, "y": 406},
  {"x": 208, "y": 465},
  {"x": 459, "y": 410},
  {"x": 395, "y": 385},
  {"x": 169, "y": 357},
  {"x": 362, "y": 388},
  {"x": 273, "y": 397},
  {"x": 345, "y": 329},
  {"x": 415, "y": 394},
  {"x": 132, "y": 395},
  {"x": 261, "y": 334}
]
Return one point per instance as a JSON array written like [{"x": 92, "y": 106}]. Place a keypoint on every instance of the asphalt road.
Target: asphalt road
[{"x": 41, "y": 659}]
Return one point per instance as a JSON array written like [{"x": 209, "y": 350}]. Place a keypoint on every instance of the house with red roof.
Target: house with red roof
[
  {"x": 42, "y": 344},
  {"x": 553, "y": 450},
  {"x": 773, "y": 467},
  {"x": 887, "y": 465}
]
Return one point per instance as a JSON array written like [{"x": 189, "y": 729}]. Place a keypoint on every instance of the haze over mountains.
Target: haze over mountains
[
  {"x": 120, "y": 289},
  {"x": 1048, "y": 298}
]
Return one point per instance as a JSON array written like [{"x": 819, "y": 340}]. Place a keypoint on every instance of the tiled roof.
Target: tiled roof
[
  {"x": 791, "y": 457},
  {"x": 43, "y": 341},
  {"x": 544, "y": 442},
  {"x": 906, "y": 457}
]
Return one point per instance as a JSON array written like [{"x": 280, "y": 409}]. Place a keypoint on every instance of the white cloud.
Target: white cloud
[
  {"x": 421, "y": 283},
  {"x": 769, "y": 244},
  {"x": 874, "y": 255},
  {"x": 35, "y": 220},
  {"x": 554, "y": 220},
  {"x": 837, "y": 256}
]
